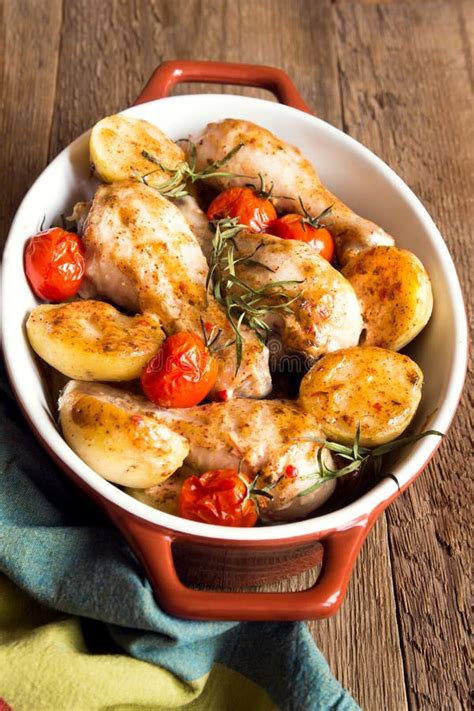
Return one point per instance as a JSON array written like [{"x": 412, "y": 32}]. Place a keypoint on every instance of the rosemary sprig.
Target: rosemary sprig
[
  {"x": 357, "y": 456},
  {"x": 243, "y": 304},
  {"x": 185, "y": 173}
]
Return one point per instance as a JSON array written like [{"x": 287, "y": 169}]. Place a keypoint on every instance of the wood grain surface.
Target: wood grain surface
[{"x": 398, "y": 77}]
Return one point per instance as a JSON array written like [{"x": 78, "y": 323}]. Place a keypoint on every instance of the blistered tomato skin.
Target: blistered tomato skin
[
  {"x": 181, "y": 374},
  {"x": 293, "y": 226},
  {"x": 218, "y": 497},
  {"x": 54, "y": 263},
  {"x": 246, "y": 204}
]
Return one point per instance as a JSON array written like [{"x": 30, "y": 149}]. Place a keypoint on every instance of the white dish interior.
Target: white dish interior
[{"x": 353, "y": 173}]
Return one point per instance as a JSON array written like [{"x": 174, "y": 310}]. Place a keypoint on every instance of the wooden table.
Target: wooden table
[{"x": 398, "y": 77}]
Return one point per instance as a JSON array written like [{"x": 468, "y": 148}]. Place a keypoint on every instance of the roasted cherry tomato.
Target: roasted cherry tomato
[
  {"x": 219, "y": 496},
  {"x": 54, "y": 264},
  {"x": 296, "y": 227},
  {"x": 246, "y": 204},
  {"x": 181, "y": 374}
]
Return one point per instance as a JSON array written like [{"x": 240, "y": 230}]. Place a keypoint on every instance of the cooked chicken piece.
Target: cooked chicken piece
[
  {"x": 395, "y": 293},
  {"x": 122, "y": 147},
  {"x": 263, "y": 437},
  {"x": 117, "y": 438},
  {"x": 141, "y": 254},
  {"x": 197, "y": 221},
  {"x": 292, "y": 176},
  {"x": 325, "y": 315},
  {"x": 91, "y": 340},
  {"x": 367, "y": 387}
]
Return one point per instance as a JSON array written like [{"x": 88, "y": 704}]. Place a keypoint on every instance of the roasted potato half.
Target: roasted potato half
[
  {"x": 374, "y": 388},
  {"x": 394, "y": 291},
  {"x": 91, "y": 340},
  {"x": 117, "y": 146},
  {"x": 123, "y": 443}
]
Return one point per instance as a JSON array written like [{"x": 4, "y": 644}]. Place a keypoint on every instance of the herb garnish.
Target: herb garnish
[
  {"x": 185, "y": 173},
  {"x": 242, "y": 304},
  {"x": 357, "y": 456}
]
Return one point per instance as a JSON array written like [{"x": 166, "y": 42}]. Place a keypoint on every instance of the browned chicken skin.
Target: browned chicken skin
[
  {"x": 277, "y": 441},
  {"x": 263, "y": 437},
  {"x": 326, "y": 314},
  {"x": 141, "y": 254},
  {"x": 293, "y": 178}
]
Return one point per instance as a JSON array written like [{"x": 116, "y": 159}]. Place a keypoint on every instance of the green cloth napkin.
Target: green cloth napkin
[{"x": 80, "y": 629}]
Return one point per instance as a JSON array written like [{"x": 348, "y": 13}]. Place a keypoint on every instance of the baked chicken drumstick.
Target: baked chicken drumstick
[
  {"x": 295, "y": 181},
  {"x": 262, "y": 437}
]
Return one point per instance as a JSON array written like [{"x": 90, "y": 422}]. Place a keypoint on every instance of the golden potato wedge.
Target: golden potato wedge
[
  {"x": 117, "y": 438},
  {"x": 116, "y": 150},
  {"x": 394, "y": 291},
  {"x": 164, "y": 496},
  {"x": 375, "y": 388},
  {"x": 91, "y": 340}
]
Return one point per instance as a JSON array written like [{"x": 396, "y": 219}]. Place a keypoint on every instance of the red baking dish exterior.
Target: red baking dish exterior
[{"x": 153, "y": 544}]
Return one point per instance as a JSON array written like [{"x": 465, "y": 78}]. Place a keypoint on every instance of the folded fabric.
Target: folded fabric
[{"x": 80, "y": 629}]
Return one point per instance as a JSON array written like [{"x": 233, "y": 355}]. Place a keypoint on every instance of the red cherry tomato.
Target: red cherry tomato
[
  {"x": 181, "y": 374},
  {"x": 54, "y": 264},
  {"x": 246, "y": 204},
  {"x": 294, "y": 227},
  {"x": 219, "y": 496}
]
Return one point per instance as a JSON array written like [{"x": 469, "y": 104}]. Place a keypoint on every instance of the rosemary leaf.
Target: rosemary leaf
[
  {"x": 358, "y": 456},
  {"x": 402, "y": 442},
  {"x": 254, "y": 263},
  {"x": 176, "y": 185},
  {"x": 225, "y": 159}
]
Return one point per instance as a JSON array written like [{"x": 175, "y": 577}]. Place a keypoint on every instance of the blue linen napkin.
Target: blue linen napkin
[{"x": 59, "y": 549}]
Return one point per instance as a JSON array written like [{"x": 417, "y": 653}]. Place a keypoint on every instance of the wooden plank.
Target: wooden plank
[
  {"x": 29, "y": 61},
  {"x": 105, "y": 57},
  {"x": 374, "y": 2},
  {"x": 361, "y": 643},
  {"x": 412, "y": 104},
  {"x": 114, "y": 47},
  {"x": 104, "y": 63}
]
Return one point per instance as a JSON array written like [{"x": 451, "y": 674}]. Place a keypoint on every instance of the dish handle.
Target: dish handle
[
  {"x": 153, "y": 547},
  {"x": 177, "y": 71}
]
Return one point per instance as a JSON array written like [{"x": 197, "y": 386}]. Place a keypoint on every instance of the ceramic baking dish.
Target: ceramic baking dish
[{"x": 267, "y": 553}]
